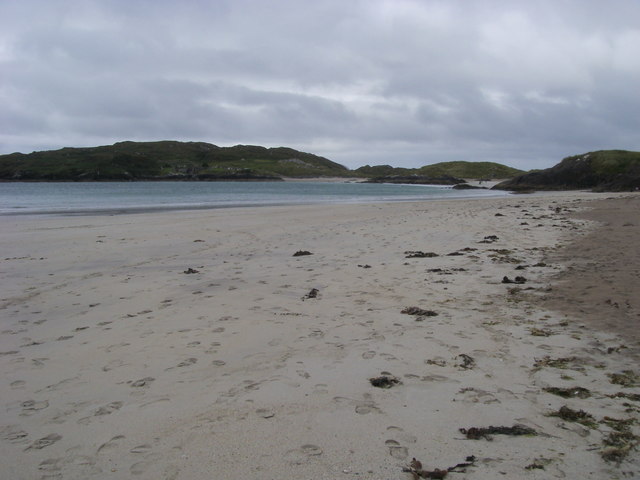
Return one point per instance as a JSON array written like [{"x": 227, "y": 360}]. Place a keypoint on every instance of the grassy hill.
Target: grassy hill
[
  {"x": 475, "y": 170},
  {"x": 378, "y": 171},
  {"x": 166, "y": 160},
  {"x": 604, "y": 170}
]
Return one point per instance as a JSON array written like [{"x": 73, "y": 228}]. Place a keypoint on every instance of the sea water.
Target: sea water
[{"x": 79, "y": 198}]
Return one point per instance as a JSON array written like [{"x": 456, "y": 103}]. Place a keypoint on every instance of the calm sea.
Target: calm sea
[{"x": 129, "y": 197}]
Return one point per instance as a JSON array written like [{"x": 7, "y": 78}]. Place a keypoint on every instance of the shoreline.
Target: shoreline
[
  {"x": 180, "y": 345},
  {"x": 30, "y": 205}
]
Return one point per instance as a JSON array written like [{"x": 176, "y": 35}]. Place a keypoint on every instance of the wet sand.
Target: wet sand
[
  {"x": 601, "y": 283},
  {"x": 190, "y": 345}
]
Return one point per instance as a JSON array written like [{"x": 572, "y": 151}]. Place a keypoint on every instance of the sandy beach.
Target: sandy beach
[{"x": 197, "y": 345}]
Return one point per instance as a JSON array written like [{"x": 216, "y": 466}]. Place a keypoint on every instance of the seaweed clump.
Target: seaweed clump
[
  {"x": 476, "y": 433},
  {"x": 540, "y": 332},
  {"x": 572, "y": 392},
  {"x": 562, "y": 362},
  {"x": 578, "y": 416},
  {"x": 416, "y": 470},
  {"x": 619, "y": 442},
  {"x": 630, "y": 396},
  {"x": 384, "y": 381},
  {"x": 419, "y": 312},
  {"x": 466, "y": 362},
  {"x": 626, "y": 378},
  {"x": 419, "y": 254}
]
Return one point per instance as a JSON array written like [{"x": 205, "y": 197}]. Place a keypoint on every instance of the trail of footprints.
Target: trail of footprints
[
  {"x": 103, "y": 461},
  {"x": 144, "y": 459}
]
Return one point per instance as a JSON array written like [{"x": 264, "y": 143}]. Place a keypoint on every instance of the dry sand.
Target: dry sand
[{"x": 117, "y": 364}]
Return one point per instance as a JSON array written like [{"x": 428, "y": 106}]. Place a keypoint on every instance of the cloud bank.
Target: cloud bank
[{"x": 401, "y": 82}]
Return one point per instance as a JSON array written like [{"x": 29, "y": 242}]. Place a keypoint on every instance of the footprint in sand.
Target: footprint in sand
[
  {"x": 111, "y": 444},
  {"x": 368, "y": 355},
  {"x": 9, "y": 352},
  {"x": 145, "y": 448},
  {"x": 366, "y": 407},
  {"x": 149, "y": 461},
  {"x": 38, "y": 362},
  {"x": 64, "y": 383},
  {"x": 388, "y": 356},
  {"x": 396, "y": 450},
  {"x": 44, "y": 442},
  {"x": 475, "y": 395},
  {"x": 85, "y": 463},
  {"x": 186, "y": 363},
  {"x": 303, "y": 454},
  {"x": 361, "y": 407},
  {"x": 51, "y": 465},
  {"x": 154, "y": 402},
  {"x": 113, "y": 364},
  {"x": 108, "y": 409},
  {"x": 12, "y": 434},
  {"x": 438, "y": 378},
  {"x": 143, "y": 382},
  {"x": 321, "y": 388},
  {"x": 265, "y": 413},
  {"x": 29, "y": 407}
]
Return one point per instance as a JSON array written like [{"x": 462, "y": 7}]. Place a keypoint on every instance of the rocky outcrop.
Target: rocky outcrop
[{"x": 605, "y": 170}]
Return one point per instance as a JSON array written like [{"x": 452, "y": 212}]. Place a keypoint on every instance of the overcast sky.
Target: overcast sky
[{"x": 400, "y": 82}]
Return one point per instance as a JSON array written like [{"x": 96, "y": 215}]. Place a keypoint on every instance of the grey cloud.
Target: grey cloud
[{"x": 404, "y": 82}]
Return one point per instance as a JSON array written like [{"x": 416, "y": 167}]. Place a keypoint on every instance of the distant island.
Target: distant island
[
  {"x": 200, "y": 161},
  {"x": 444, "y": 173}
]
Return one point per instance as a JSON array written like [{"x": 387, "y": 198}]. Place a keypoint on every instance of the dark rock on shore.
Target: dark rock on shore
[
  {"x": 384, "y": 381},
  {"x": 466, "y": 186},
  {"x": 313, "y": 293},
  {"x": 417, "y": 180},
  {"x": 518, "y": 280}
]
